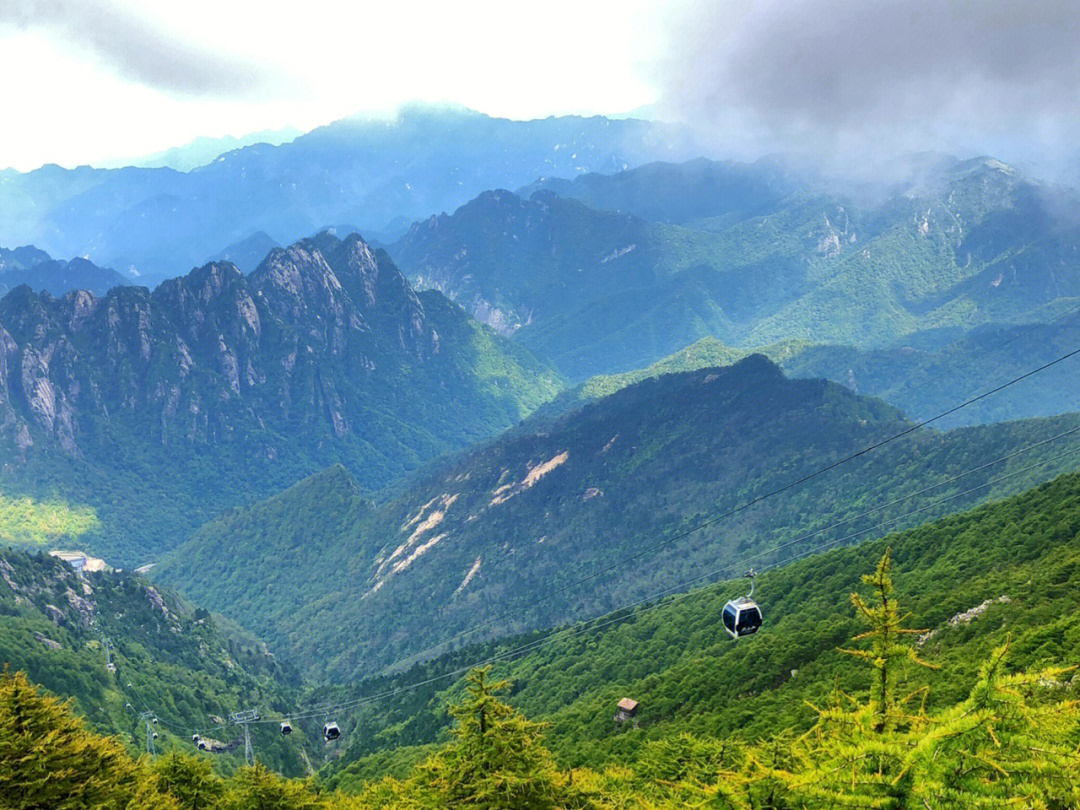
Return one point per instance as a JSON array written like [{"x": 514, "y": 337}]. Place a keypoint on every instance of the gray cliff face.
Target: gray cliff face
[{"x": 203, "y": 354}]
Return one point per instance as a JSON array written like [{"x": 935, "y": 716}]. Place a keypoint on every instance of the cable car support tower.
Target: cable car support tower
[
  {"x": 149, "y": 719},
  {"x": 245, "y": 719}
]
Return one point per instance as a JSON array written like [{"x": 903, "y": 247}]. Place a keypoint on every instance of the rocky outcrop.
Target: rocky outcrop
[
  {"x": 48, "y": 642},
  {"x": 204, "y": 355}
]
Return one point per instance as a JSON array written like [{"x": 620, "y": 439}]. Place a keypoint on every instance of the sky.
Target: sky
[{"x": 849, "y": 81}]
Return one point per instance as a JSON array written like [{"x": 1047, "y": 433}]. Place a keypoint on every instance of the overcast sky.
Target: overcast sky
[{"x": 86, "y": 81}]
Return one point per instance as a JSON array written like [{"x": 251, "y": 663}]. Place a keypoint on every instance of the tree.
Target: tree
[
  {"x": 496, "y": 759},
  {"x": 49, "y": 759},
  {"x": 258, "y": 788},
  {"x": 1011, "y": 743},
  {"x": 1007, "y": 745},
  {"x": 190, "y": 779}
]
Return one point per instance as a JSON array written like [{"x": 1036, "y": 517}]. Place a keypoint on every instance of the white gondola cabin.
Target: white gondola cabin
[
  {"x": 331, "y": 732},
  {"x": 286, "y": 728}
]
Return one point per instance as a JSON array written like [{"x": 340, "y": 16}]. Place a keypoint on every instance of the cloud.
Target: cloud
[
  {"x": 911, "y": 73},
  {"x": 138, "y": 49}
]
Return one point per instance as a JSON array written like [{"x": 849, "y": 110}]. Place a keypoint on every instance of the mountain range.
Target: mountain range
[
  {"x": 378, "y": 174},
  {"x": 157, "y": 409},
  {"x": 603, "y": 290},
  {"x": 922, "y": 382},
  {"x": 38, "y": 270},
  {"x": 495, "y": 540}
]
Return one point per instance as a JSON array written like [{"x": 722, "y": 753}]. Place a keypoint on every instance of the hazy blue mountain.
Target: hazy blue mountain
[
  {"x": 154, "y": 410},
  {"x": 370, "y": 172},
  {"x": 21, "y": 258},
  {"x": 248, "y": 253},
  {"x": 601, "y": 292},
  {"x": 59, "y": 277},
  {"x": 923, "y": 382},
  {"x": 35, "y": 268},
  {"x": 478, "y": 533},
  {"x": 202, "y": 150},
  {"x": 681, "y": 193}
]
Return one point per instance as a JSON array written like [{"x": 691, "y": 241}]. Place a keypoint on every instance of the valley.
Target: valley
[
  {"x": 593, "y": 510},
  {"x": 359, "y": 452}
]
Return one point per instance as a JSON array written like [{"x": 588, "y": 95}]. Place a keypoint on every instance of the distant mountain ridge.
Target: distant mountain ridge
[
  {"x": 37, "y": 269},
  {"x": 370, "y": 172},
  {"x": 204, "y": 149},
  {"x": 603, "y": 291},
  {"x": 248, "y": 253},
  {"x": 919, "y": 381},
  {"x": 217, "y": 386}
]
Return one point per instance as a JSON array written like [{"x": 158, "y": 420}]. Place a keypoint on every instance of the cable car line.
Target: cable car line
[
  {"x": 735, "y": 565},
  {"x": 619, "y": 614},
  {"x": 594, "y": 624},
  {"x": 303, "y": 714},
  {"x": 740, "y": 508},
  {"x": 953, "y": 369}
]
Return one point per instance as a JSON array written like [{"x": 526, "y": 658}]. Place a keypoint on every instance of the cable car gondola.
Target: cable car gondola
[
  {"x": 201, "y": 745},
  {"x": 195, "y": 738},
  {"x": 286, "y": 727},
  {"x": 331, "y": 732},
  {"x": 742, "y": 616}
]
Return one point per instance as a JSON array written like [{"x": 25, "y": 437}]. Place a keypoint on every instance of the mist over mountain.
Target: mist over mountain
[
  {"x": 202, "y": 150},
  {"x": 752, "y": 257},
  {"x": 369, "y": 172},
  {"x": 35, "y": 268}
]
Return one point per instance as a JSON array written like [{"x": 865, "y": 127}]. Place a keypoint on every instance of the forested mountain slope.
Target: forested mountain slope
[
  {"x": 719, "y": 721},
  {"x": 168, "y": 658},
  {"x": 608, "y": 492},
  {"x": 922, "y": 382},
  {"x": 600, "y": 292},
  {"x": 1004, "y": 572},
  {"x": 158, "y": 409}
]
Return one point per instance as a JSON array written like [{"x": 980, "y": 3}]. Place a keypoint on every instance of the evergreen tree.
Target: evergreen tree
[
  {"x": 888, "y": 652},
  {"x": 190, "y": 779},
  {"x": 1011, "y": 743},
  {"x": 497, "y": 759},
  {"x": 258, "y": 788},
  {"x": 1007, "y": 745},
  {"x": 49, "y": 760}
]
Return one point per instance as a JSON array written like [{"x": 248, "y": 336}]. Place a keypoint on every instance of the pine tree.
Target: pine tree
[
  {"x": 48, "y": 759},
  {"x": 1011, "y": 743},
  {"x": 1007, "y": 745},
  {"x": 888, "y": 652},
  {"x": 496, "y": 759},
  {"x": 258, "y": 788},
  {"x": 190, "y": 779}
]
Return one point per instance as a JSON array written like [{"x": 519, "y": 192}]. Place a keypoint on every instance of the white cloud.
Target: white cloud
[{"x": 76, "y": 103}]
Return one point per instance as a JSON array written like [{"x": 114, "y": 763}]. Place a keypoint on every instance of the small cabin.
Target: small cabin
[{"x": 626, "y": 711}]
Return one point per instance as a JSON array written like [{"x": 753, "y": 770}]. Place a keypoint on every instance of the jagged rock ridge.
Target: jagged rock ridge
[{"x": 320, "y": 355}]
